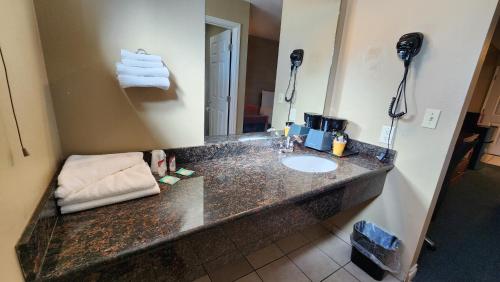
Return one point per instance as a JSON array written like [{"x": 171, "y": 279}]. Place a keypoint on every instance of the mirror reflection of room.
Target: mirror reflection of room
[{"x": 251, "y": 84}]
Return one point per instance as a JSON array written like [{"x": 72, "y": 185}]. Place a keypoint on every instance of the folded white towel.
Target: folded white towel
[
  {"x": 110, "y": 200},
  {"x": 80, "y": 171},
  {"x": 127, "y": 81},
  {"x": 137, "y": 71},
  {"x": 141, "y": 64},
  {"x": 140, "y": 57},
  {"x": 130, "y": 180}
]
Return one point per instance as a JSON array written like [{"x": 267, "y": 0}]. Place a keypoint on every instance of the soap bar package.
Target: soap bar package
[
  {"x": 169, "y": 180},
  {"x": 185, "y": 172}
]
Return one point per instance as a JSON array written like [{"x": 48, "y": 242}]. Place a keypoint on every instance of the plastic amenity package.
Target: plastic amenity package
[{"x": 377, "y": 244}]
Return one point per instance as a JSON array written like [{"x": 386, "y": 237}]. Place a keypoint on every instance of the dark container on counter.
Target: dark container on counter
[
  {"x": 331, "y": 124},
  {"x": 312, "y": 120}
]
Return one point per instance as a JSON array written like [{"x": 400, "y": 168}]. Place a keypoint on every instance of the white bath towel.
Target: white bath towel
[
  {"x": 141, "y": 64},
  {"x": 80, "y": 171},
  {"x": 111, "y": 200},
  {"x": 137, "y": 71},
  {"x": 127, "y": 81},
  {"x": 140, "y": 57},
  {"x": 133, "y": 179}
]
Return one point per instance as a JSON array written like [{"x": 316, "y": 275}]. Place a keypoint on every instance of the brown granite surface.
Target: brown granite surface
[{"x": 221, "y": 190}]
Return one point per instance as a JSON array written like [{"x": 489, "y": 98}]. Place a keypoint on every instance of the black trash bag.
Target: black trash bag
[{"x": 378, "y": 245}]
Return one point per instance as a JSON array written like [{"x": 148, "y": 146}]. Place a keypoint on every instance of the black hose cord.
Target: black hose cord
[
  {"x": 393, "y": 108},
  {"x": 24, "y": 150},
  {"x": 293, "y": 75}
]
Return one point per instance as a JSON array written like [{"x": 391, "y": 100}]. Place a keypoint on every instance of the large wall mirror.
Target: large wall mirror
[
  {"x": 228, "y": 62},
  {"x": 261, "y": 82}
]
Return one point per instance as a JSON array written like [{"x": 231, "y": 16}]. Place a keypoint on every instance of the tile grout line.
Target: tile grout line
[
  {"x": 351, "y": 274},
  {"x": 341, "y": 265},
  {"x": 300, "y": 269}
]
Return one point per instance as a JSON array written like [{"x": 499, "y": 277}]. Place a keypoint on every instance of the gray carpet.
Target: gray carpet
[{"x": 467, "y": 231}]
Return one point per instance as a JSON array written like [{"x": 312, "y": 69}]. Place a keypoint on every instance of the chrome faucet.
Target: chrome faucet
[{"x": 289, "y": 144}]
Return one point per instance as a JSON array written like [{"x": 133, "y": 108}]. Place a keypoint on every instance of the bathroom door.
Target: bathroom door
[{"x": 219, "y": 80}]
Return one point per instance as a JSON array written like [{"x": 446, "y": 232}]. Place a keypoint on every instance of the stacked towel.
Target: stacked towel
[
  {"x": 142, "y": 70},
  {"x": 87, "y": 182}
]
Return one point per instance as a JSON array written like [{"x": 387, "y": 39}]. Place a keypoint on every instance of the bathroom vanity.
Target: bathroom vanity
[{"x": 240, "y": 199}]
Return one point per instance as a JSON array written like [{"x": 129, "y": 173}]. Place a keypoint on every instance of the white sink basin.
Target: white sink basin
[{"x": 309, "y": 164}]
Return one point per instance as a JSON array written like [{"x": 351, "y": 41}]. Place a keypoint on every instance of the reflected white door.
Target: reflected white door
[{"x": 220, "y": 64}]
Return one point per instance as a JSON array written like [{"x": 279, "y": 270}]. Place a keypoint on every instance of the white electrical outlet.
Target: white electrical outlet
[
  {"x": 431, "y": 118},
  {"x": 384, "y": 134},
  {"x": 281, "y": 98},
  {"x": 293, "y": 114}
]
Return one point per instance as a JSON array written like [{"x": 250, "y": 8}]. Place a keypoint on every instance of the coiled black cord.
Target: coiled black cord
[
  {"x": 400, "y": 94},
  {"x": 293, "y": 75},
  {"x": 394, "y": 106}
]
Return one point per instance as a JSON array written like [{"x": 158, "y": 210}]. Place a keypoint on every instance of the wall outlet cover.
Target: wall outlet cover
[
  {"x": 384, "y": 134},
  {"x": 431, "y": 118},
  {"x": 293, "y": 114}
]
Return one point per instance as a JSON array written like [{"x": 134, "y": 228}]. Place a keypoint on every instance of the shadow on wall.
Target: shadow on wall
[{"x": 139, "y": 96}]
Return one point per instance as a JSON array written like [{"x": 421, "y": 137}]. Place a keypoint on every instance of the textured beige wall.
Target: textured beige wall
[
  {"x": 367, "y": 77},
  {"x": 485, "y": 77},
  {"x": 308, "y": 25},
  {"x": 23, "y": 180},
  {"x": 235, "y": 11},
  {"x": 82, "y": 41}
]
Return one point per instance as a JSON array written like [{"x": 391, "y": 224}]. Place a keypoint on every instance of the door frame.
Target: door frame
[
  {"x": 488, "y": 97},
  {"x": 234, "y": 66}
]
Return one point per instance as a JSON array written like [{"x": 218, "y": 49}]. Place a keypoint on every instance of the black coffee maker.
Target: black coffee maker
[{"x": 333, "y": 124}]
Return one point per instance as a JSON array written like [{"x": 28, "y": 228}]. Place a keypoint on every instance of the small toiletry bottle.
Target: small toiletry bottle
[
  {"x": 171, "y": 164},
  {"x": 162, "y": 167},
  {"x": 288, "y": 124}
]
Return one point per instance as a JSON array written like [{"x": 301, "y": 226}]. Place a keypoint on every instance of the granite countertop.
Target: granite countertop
[{"x": 221, "y": 190}]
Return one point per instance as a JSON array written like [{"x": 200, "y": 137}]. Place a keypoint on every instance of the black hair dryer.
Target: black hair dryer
[
  {"x": 296, "y": 58},
  {"x": 409, "y": 45}
]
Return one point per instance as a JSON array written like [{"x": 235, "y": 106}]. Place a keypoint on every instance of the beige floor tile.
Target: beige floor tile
[
  {"x": 264, "y": 256},
  {"x": 314, "y": 263},
  {"x": 364, "y": 277},
  {"x": 314, "y": 232},
  {"x": 282, "y": 270},
  {"x": 203, "y": 279},
  {"x": 252, "y": 277},
  {"x": 292, "y": 242},
  {"x": 335, "y": 248},
  {"x": 237, "y": 268},
  {"x": 341, "y": 275}
]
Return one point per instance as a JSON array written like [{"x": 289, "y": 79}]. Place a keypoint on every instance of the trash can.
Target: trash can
[{"x": 375, "y": 250}]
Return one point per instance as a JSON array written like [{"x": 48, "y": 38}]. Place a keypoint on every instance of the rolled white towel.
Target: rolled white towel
[
  {"x": 127, "y": 81},
  {"x": 160, "y": 72},
  {"x": 141, "y": 64},
  {"x": 140, "y": 57}
]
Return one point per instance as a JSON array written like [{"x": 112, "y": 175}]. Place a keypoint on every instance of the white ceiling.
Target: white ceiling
[{"x": 265, "y": 18}]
